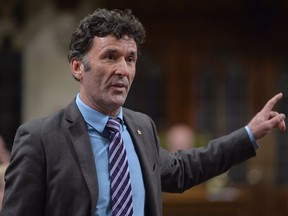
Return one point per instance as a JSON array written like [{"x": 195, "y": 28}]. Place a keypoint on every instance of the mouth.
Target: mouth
[{"x": 119, "y": 86}]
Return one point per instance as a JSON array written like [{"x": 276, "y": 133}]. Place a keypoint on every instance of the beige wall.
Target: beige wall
[{"x": 47, "y": 82}]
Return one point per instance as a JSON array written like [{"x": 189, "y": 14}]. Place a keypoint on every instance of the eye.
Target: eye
[
  {"x": 110, "y": 57},
  {"x": 131, "y": 59}
]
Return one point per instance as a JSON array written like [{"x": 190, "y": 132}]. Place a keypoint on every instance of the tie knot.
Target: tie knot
[{"x": 113, "y": 125}]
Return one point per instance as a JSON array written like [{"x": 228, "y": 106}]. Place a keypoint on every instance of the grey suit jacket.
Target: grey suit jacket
[{"x": 52, "y": 170}]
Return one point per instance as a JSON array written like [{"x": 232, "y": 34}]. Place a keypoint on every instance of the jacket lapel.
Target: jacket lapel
[
  {"x": 82, "y": 145},
  {"x": 147, "y": 166}
]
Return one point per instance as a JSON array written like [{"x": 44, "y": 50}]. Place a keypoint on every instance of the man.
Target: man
[{"x": 60, "y": 164}]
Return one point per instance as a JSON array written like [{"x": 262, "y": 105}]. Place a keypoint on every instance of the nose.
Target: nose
[{"x": 122, "y": 67}]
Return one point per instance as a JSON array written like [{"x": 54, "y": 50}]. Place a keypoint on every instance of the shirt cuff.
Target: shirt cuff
[{"x": 252, "y": 138}]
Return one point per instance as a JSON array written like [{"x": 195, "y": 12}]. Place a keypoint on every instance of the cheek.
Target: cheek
[
  {"x": 95, "y": 76},
  {"x": 132, "y": 75},
  {"x": 92, "y": 82}
]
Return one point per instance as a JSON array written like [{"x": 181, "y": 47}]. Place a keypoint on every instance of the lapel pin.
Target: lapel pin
[{"x": 139, "y": 132}]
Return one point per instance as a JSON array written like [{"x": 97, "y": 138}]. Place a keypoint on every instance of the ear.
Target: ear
[{"x": 77, "y": 69}]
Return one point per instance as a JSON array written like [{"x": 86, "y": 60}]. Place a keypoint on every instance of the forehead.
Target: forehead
[{"x": 111, "y": 42}]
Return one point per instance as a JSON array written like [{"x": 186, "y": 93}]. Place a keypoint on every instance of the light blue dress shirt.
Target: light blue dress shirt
[
  {"x": 252, "y": 138},
  {"x": 96, "y": 123}
]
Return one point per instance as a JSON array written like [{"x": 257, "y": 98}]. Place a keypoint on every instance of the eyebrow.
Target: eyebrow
[
  {"x": 133, "y": 53},
  {"x": 111, "y": 50}
]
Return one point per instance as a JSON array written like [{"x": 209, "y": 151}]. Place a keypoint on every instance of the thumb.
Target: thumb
[{"x": 277, "y": 121}]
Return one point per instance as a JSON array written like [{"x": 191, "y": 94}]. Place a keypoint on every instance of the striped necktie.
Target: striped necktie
[{"x": 121, "y": 192}]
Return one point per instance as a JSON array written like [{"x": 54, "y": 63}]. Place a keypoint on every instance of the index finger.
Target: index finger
[{"x": 270, "y": 104}]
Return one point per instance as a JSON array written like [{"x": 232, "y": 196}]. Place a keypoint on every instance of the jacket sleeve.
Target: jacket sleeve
[
  {"x": 25, "y": 176},
  {"x": 186, "y": 168}
]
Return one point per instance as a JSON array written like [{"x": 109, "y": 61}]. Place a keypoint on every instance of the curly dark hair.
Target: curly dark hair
[{"x": 101, "y": 23}]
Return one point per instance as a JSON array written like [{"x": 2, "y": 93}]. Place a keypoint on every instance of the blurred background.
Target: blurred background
[{"x": 207, "y": 67}]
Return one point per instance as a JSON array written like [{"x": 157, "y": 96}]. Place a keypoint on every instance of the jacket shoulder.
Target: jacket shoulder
[
  {"x": 135, "y": 115},
  {"x": 54, "y": 120}
]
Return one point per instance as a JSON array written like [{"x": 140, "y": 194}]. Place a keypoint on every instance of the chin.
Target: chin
[{"x": 119, "y": 100}]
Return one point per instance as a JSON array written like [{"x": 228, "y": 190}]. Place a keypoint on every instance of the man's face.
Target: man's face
[{"x": 106, "y": 83}]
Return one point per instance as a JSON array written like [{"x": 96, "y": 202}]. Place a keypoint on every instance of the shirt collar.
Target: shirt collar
[{"x": 94, "y": 118}]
